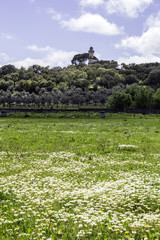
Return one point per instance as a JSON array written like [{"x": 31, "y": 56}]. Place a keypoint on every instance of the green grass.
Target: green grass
[{"x": 76, "y": 176}]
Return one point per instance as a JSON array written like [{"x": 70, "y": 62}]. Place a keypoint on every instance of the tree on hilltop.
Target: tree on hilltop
[{"x": 82, "y": 58}]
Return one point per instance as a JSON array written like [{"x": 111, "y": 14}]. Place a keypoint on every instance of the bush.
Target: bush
[{"x": 120, "y": 100}]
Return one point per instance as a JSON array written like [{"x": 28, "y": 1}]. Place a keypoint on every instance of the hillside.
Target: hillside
[{"x": 102, "y": 83}]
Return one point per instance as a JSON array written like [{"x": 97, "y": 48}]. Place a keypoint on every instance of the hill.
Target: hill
[{"x": 100, "y": 83}]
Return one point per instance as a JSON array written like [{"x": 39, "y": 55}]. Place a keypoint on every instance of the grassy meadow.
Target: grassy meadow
[{"x": 77, "y": 176}]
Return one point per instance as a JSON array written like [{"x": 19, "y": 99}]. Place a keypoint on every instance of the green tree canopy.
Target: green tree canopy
[{"x": 120, "y": 100}]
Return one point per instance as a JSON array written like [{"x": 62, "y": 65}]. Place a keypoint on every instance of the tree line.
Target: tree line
[{"x": 103, "y": 83}]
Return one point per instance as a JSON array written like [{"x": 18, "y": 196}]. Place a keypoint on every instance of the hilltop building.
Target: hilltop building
[{"x": 91, "y": 55}]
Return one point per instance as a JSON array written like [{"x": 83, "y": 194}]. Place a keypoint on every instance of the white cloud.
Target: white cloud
[
  {"x": 149, "y": 42},
  {"x": 6, "y": 36},
  {"x": 39, "y": 49},
  {"x": 52, "y": 58},
  {"x": 54, "y": 14},
  {"x": 138, "y": 59},
  {"x": 92, "y": 23},
  {"x": 4, "y": 59},
  {"x": 131, "y": 8},
  {"x": 92, "y": 3},
  {"x": 153, "y": 21}
]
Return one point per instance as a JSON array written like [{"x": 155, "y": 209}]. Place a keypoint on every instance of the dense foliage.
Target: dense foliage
[{"x": 101, "y": 83}]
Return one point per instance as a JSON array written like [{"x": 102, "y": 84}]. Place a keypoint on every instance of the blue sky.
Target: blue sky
[{"x": 51, "y": 32}]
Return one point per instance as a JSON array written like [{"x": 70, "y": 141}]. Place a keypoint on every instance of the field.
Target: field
[{"x": 80, "y": 177}]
